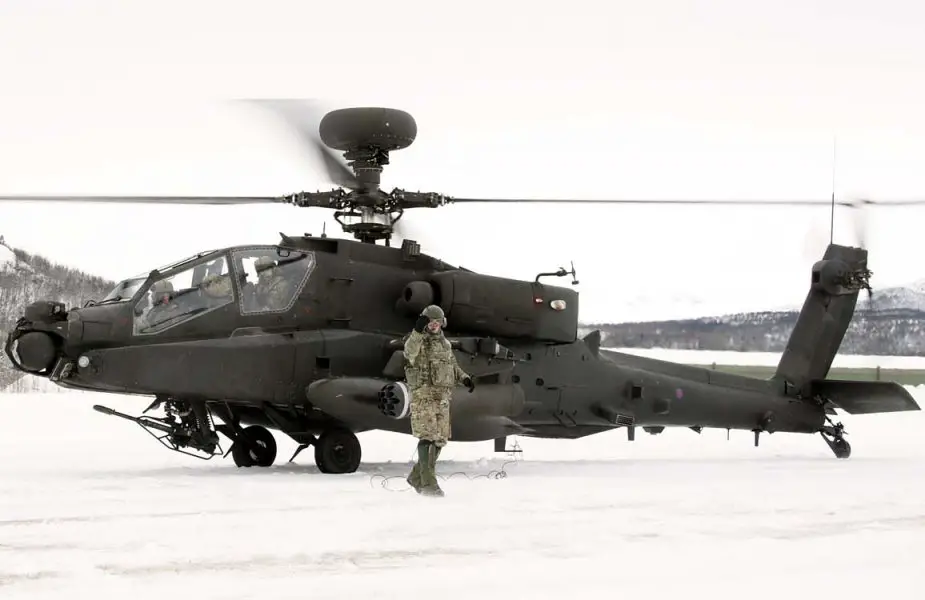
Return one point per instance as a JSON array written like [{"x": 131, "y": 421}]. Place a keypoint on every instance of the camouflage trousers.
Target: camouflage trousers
[{"x": 430, "y": 414}]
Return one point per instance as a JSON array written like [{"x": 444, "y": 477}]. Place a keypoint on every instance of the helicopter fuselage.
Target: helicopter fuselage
[{"x": 307, "y": 336}]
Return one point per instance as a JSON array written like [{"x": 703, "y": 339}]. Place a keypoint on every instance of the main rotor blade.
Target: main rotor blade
[
  {"x": 301, "y": 117},
  {"x": 147, "y": 199},
  {"x": 804, "y": 202}
]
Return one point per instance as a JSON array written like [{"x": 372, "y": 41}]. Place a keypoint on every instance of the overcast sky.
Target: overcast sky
[{"x": 663, "y": 98}]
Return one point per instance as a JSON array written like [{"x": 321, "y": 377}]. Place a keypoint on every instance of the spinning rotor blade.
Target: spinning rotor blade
[
  {"x": 807, "y": 202},
  {"x": 147, "y": 199},
  {"x": 304, "y": 119}
]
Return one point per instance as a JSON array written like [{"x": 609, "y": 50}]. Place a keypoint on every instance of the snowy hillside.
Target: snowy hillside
[
  {"x": 25, "y": 278},
  {"x": 894, "y": 324},
  {"x": 910, "y": 296},
  {"x": 905, "y": 297},
  {"x": 770, "y": 359},
  {"x": 7, "y": 259}
]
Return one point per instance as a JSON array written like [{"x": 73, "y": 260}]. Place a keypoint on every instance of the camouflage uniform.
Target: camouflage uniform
[
  {"x": 272, "y": 290},
  {"x": 163, "y": 308},
  {"x": 431, "y": 373},
  {"x": 216, "y": 286}
]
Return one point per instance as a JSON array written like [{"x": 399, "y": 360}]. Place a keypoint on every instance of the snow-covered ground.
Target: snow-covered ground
[{"x": 91, "y": 506}]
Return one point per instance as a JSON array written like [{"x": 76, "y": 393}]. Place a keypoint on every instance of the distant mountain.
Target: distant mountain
[
  {"x": 25, "y": 278},
  {"x": 893, "y": 324}
]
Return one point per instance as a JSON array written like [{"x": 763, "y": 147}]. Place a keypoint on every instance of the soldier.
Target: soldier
[
  {"x": 431, "y": 371},
  {"x": 217, "y": 287},
  {"x": 273, "y": 291},
  {"x": 162, "y": 306}
]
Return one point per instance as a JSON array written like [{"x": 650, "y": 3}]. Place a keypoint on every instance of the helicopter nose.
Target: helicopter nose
[
  {"x": 36, "y": 351},
  {"x": 38, "y": 338}
]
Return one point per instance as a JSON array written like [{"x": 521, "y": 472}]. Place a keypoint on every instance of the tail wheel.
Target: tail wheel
[
  {"x": 257, "y": 449},
  {"x": 337, "y": 451}
]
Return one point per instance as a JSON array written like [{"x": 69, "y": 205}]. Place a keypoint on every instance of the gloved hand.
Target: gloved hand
[
  {"x": 469, "y": 384},
  {"x": 421, "y": 323}
]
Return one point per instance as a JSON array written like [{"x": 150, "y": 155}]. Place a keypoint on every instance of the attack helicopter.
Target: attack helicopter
[{"x": 305, "y": 336}]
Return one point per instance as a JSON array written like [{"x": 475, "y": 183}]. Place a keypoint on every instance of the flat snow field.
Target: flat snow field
[{"x": 92, "y": 507}]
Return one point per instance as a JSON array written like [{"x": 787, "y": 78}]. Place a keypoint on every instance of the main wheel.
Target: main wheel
[
  {"x": 258, "y": 449},
  {"x": 337, "y": 451}
]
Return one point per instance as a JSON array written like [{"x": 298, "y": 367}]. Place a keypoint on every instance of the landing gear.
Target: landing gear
[
  {"x": 337, "y": 451},
  {"x": 255, "y": 446},
  {"x": 187, "y": 427},
  {"x": 833, "y": 434}
]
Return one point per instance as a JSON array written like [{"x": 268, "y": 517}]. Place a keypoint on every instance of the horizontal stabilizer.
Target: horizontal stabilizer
[{"x": 865, "y": 397}]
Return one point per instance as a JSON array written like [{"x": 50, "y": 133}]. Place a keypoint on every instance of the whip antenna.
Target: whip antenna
[{"x": 832, "y": 210}]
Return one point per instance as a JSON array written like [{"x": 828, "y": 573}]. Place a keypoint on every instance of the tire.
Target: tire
[
  {"x": 258, "y": 449},
  {"x": 338, "y": 451}
]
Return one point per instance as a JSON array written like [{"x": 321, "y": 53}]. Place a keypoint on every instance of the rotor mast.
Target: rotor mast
[{"x": 370, "y": 203}]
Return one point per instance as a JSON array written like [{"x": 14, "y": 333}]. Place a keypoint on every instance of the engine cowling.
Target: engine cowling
[
  {"x": 416, "y": 296},
  {"x": 496, "y": 306}
]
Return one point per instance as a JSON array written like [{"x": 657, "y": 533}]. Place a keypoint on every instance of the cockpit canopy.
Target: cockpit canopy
[
  {"x": 127, "y": 288},
  {"x": 261, "y": 279}
]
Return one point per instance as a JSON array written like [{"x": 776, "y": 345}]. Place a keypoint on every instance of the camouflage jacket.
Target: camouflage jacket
[
  {"x": 429, "y": 361},
  {"x": 159, "y": 315},
  {"x": 216, "y": 286},
  {"x": 273, "y": 294}
]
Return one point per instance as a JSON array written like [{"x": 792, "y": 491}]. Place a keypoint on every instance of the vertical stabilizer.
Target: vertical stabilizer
[{"x": 827, "y": 311}]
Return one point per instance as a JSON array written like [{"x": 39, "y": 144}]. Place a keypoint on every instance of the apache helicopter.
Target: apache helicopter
[{"x": 305, "y": 336}]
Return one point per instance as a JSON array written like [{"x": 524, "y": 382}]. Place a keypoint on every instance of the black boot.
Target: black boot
[
  {"x": 414, "y": 478},
  {"x": 429, "y": 485}
]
